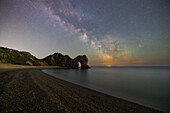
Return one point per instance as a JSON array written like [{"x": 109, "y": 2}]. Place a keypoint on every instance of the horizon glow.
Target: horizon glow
[{"x": 109, "y": 32}]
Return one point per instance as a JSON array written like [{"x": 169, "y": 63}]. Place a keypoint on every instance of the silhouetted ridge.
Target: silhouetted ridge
[{"x": 10, "y": 56}]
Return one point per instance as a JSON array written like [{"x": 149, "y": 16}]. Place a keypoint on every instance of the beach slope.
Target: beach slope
[{"x": 31, "y": 90}]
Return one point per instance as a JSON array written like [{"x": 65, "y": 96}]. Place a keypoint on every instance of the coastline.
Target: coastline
[
  {"x": 13, "y": 66},
  {"x": 31, "y": 88}
]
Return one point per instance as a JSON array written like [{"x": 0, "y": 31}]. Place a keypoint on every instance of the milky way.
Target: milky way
[{"x": 109, "y": 32}]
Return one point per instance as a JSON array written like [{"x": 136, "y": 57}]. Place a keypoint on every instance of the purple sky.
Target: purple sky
[{"x": 109, "y": 32}]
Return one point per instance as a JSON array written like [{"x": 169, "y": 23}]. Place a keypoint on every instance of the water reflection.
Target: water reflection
[
  {"x": 83, "y": 76},
  {"x": 146, "y": 86}
]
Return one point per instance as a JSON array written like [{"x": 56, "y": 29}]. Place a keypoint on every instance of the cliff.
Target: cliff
[
  {"x": 65, "y": 61},
  {"x": 10, "y": 56}
]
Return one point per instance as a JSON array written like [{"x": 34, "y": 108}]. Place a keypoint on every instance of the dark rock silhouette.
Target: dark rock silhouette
[
  {"x": 83, "y": 61},
  {"x": 10, "y": 56},
  {"x": 57, "y": 59},
  {"x": 65, "y": 61}
]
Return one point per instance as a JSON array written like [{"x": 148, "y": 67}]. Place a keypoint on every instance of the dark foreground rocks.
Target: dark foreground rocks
[{"x": 30, "y": 90}]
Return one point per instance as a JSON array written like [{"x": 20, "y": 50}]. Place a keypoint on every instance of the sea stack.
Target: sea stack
[{"x": 83, "y": 61}]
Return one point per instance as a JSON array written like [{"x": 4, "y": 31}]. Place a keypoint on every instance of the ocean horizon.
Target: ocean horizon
[{"x": 145, "y": 85}]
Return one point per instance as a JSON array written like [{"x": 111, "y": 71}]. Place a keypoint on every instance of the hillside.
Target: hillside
[
  {"x": 10, "y": 56},
  {"x": 57, "y": 59}
]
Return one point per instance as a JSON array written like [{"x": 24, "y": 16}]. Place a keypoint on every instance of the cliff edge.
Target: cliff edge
[{"x": 10, "y": 56}]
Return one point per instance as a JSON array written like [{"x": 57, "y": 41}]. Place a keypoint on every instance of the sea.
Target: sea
[{"x": 148, "y": 86}]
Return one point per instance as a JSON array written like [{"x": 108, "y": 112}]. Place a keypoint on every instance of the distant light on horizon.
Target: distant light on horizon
[{"x": 110, "y": 33}]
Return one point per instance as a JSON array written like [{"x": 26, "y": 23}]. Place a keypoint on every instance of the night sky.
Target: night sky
[{"x": 109, "y": 32}]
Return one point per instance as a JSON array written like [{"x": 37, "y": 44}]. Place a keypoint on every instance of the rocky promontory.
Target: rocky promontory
[
  {"x": 65, "y": 61},
  {"x": 10, "y": 56}
]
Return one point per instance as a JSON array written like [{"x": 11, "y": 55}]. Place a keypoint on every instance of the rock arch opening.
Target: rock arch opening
[
  {"x": 81, "y": 61},
  {"x": 79, "y": 65}
]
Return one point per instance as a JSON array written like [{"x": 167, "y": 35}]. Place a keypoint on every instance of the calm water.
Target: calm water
[{"x": 149, "y": 86}]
